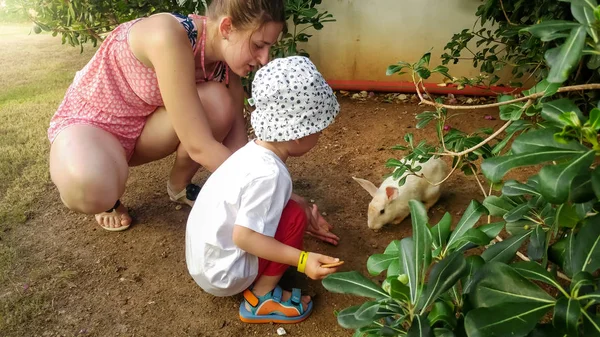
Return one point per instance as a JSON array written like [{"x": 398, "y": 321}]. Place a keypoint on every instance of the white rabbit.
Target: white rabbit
[{"x": 390, "y": 202}]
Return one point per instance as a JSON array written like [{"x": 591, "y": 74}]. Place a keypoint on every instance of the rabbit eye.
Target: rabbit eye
[{"x": 382, "y": 211}]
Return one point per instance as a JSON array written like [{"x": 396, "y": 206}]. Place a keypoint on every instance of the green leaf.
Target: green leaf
[
  {"x": 492, "y": 229},
  {"x": 474, "y": 263},
  {"x": 347, "y": 318},
  {"x": 593, "y": 62},
  {"x": 504, "y": 251},
  {"x": 424, "y": 59},
  {"x": 562, "y": 63},
  {"x": 583, "y": 209},
  {"x": 586, "y": 255},
  {"x": 443, "y": 276},
  {"x": 394, "y": 68},
  {"x": 582, "y": 189},
  {"x": 566, "y": 315},
  {"x": 499, "y": 284},
  {"x": 533, "y": 271},
  {"x": 380, "y": 262},
  {"x": 497, "y": 206},
  {"x": 421, "y": 238},
  {"x": 544, "y": 86},
  {"x": 537, "y": 242},
  {"x": 441, "y": 312},
  {"x": 570, "y": 119},
  {"x": 468, "y": 220},
  {"x": 551, "y": 111},
  {"x": 594, "y": 120},
  {"x": 596, "y": 181},
  {"x": 519, "y": 227},
  {"x": 473, "y": 237},
  {"x": 583, "y": 11},
  {"x": 495, "y": 168},
  {"x": 399, "y": 291},
  {"x": 517, "y": 213},
  {"x": 566, "y": 216},
  {"x": 505, "y": 319},
  {"x": 353, "y": 282},
  {"x": 443, "y": 332},
  {"x": 408, "y": 263},
  {"x": 367, "y": 311},
  {"x": 441, "y": 231},
  {"x": 548, "y": 28},
  {"x": 555, "y": 180},
  {"x": 514, "y": 188},
  {"x": 568, "y": 265},
  {"x": 424, "y": 73},
  {"x": 540, "y": 140},
  {"x": 420, "y": 327},
  {"x": 512, "y": 111},
  {"x": 556, "y": 252},
  {"x": 591, "y": 325}
]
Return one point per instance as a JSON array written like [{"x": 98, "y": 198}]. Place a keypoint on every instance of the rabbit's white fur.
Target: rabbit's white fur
[{"x": 390, "y": 202}]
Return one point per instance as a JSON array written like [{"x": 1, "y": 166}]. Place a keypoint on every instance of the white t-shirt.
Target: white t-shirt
[{"x": 249, "y": 189}]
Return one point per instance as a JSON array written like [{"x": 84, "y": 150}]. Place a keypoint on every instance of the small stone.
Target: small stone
[
  {"x": 364, "y": 94},
  {"x": 371, "y": 94},
  {"x": 469, "y": 101},
  {"x": 324, "y": 213},
  {"x": 281, "y": 332},
  {"x": 489, "y": 117},
  {"x": 178, "y": 207},
  {"x": 355, "y": 96},
  {"x": 402, "y": 97}
]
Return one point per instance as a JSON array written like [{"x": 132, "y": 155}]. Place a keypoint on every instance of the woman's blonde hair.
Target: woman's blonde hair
[{"x": 247, "y": 14}]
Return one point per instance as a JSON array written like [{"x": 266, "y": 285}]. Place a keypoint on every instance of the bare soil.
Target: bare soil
[{"x": 75, "y": 279}]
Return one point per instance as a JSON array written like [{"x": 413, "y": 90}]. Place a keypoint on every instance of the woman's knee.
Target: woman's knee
[
  {"x": 220, "y": 107},
  {"x": 89, "y": 169}
]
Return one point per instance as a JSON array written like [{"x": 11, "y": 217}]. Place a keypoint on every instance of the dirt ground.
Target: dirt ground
[{"x": 75, "y": 279}]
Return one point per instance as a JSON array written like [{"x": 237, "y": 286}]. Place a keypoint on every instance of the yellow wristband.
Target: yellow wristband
[{"x": 302, "y": 261}]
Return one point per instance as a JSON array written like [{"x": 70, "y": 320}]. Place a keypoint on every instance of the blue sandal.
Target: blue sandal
[{"x": 270, "y": 309}]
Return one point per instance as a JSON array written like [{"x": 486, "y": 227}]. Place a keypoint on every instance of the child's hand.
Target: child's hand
[
  {"x": 313, "y": 266},
  {"x": 319, "y": 227}
]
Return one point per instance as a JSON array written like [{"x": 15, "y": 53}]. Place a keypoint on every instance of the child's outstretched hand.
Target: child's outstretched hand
[
  {"x": 320, "y": 228},
  {"x": 313, "y": 267}
]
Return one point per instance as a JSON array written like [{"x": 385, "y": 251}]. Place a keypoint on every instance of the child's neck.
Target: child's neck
[{"x": 278, "y": 148}]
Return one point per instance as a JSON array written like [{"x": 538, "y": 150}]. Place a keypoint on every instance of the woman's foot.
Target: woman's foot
[
  {"x": 185, "y": 194},
  {"x": 116, "y": 220}
]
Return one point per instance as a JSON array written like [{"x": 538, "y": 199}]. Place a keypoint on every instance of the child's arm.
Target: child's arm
[{"x": 270, "y": 249}]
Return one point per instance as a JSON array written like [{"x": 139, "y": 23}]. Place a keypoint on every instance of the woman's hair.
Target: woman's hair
[{"x": 248, "y": 14}]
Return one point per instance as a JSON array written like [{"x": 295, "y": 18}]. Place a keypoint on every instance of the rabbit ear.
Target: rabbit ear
[
  {"x": 367, "y": 185},
  {"x": 391, "y": 192}
]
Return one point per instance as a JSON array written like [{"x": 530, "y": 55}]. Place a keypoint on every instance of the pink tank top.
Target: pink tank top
[{"x": 116, "y": 92}]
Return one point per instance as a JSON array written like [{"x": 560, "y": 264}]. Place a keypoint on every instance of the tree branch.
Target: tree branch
[{"x": 592, "y": 86}]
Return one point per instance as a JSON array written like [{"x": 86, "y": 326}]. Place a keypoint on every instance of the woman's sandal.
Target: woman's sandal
[
  {"x": 115, "y": 229},
  {"x": 270, "y": 309},
  {"x": 187, "y": 196}
]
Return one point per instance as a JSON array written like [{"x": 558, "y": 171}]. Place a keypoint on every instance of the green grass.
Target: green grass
[{"x": 35, "y": 72}]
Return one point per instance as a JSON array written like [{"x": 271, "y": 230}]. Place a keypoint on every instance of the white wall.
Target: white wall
[{"x": 369, "y": 35}]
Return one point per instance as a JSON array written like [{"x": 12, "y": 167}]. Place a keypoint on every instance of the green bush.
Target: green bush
[{"x": 432, "y": 287}]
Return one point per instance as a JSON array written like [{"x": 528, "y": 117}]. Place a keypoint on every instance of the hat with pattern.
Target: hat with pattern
[{"x": 292, "y": 100}]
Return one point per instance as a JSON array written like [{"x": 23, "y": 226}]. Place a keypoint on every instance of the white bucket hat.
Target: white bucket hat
[{"x": 292, "y": 100}]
